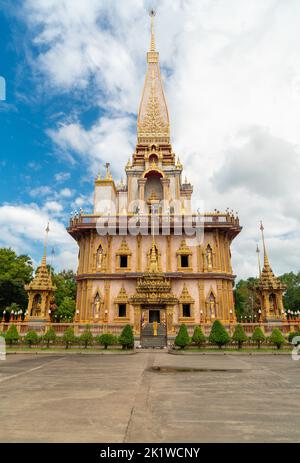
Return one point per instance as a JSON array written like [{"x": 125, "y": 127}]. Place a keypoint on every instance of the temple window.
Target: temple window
[
  {"x": 184, "y": 261},
  {"x": 121, "y": 310},
  {"x": 123, "y": 261},
  {"x": 184, "y": 257},
  {"x": 123, "y": 257},
  {"x": 186, "y": 310}
]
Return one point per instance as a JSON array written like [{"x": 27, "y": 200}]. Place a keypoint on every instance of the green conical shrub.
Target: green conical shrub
[
  {"x": 106, "y": 340},
  {"x": 68, "y": 337},
  {"x": 126, "y": 339},
  {"x": 277, "y": 338},
  {"x": 49, "y": 336},
  {"x": 258, "y": 336},
  {"x": 31, "y": 338},
  {"x": 12, "y": 335},
  {"x": 86, "y": 338},
  {"x": 182, "y": 339},
  {"x": 219, "y": 335},
  {"x": 239, "y": 336},
  {"x": 198, "y": 336}
]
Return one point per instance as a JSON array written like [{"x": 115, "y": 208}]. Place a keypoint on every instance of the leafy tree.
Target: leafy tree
[
  {"x": 66, "y": 310},
  {"x": 182, "y": 339},
  {"x": 31, "y": 338},
  {"x": 65, "y": 283},
  {"x": 245, "y": 297},
  {"x": 68, "y": 337},
  {"x": 86, "y": 338},
  {"x": 277, "y": 338},
  {"x": 239, "y": 336},
  {"x": 258, "y": 336},
  {"x": 126, "y": 339},
  {"x": 12, "y": 335},
  {"x": 198, "y": 336},
  {"x": 219, "y": 335},
  {"x": 106, "y": 340},
  {"x": 15, "y": 272},
  {"x": 49, "y": 336}
]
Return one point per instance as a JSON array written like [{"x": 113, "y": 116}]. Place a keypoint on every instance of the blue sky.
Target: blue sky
[{"x": 74, "y": 73}]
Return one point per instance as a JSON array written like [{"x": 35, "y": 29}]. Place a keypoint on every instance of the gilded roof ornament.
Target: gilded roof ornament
[{"x": 153, "y": 117}]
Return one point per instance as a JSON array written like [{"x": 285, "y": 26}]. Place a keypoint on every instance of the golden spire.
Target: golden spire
[
  {"x": 258, "y": 258},
  {"x": 153, "y": 117},
  {"x": 266, "y": 260},
  {"x": 152, "y": 13},
  {"x": 44, "y": 259}
]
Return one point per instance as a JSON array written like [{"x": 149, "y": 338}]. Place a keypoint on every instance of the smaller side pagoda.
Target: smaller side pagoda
[{"x": 41, "y": 291}]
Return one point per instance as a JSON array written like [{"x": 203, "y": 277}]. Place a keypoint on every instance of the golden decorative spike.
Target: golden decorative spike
[
  {"x": 44, "y": 259},
  {"x": 258, "y": 258},
  {"x": 266, "y": 260},
  {"x": 153, "y": 117}
]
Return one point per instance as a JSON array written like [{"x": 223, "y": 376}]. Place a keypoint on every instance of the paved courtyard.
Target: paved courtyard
[{"x": 149, "y": 397}]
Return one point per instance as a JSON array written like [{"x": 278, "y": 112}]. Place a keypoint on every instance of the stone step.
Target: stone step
[{"x": 153, "y": 341}]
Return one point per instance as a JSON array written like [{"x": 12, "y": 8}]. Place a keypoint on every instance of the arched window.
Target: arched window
[
  {"x": 36, "y": 305},
  {"x": 273, "y": 303}
]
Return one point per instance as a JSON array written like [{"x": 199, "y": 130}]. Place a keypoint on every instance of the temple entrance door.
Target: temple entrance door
[
  {"x": 154, "y": 316},
  {"x": 153, "y": 327}
]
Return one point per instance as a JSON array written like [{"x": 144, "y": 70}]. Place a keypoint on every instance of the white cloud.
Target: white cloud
[
  {"x": 53, "y": 206},
  {"x": 66, "y": 193},
  {"x": 43, "y": 190},
  {"x": 23, "y": 229},
  {"x": 62, "y": 176},
  {"x": 233, "y": 92}
]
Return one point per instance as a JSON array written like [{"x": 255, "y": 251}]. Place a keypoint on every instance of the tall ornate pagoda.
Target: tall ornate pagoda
[
  {"x": 141, "y": 270},
  {"x": 269, "y": 289},
  {"x": 41, "y": 291}
]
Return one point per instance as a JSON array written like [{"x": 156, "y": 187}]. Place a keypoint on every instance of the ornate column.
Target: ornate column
[
  {"x": 165, "y": 183},
  {"x": 139, "y": 253},
  {"x": 170, "y": 326},
  {"x": 169, "y": 253},
  {"x": 202, "y": 305},
  {"x": 137, "y": 319},
  {"x": 106, "y": 301},
  {"x": 142, "y": 183},
  {"x": 109, "y": 243}
]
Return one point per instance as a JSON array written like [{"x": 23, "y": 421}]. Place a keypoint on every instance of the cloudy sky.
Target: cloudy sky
[{"x": 74, "y": 73}]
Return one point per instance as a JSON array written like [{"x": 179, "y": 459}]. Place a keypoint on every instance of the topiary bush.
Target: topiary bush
[
  {"x": 68, "y": 337},
  {"x": 86, "y": 338},
  {"x": 182, "y": 339},
  {"x": 258, "y": 336},
  {"x": 12, "y": 335},
  {"x": 31, "y": 338},
  {"x": 106, "y": 340},
  {"x": 126, "y": 339},
  {"x": 239, "y": 336},
  {"x": 198, "y": 336},
  {"x": 218, "y": 335},
  {"x": 49, "y": 336},
  {"x": 277, "y": 338}
]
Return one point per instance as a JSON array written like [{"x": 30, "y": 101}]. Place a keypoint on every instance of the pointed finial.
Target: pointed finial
[
  {"x": 108, "y": 174},
  {"x": 152, "y": 13},
  {"x": 44, "y": 263},
  {"x": 266, "y": 260},
  {"x": 258, "y": 258}
]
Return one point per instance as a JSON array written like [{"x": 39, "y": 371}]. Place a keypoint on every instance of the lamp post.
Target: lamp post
[
  {"x": 201, "y": 315},
  {"x": 230, "y": 315},
  {"x": 3, "y": 316}
]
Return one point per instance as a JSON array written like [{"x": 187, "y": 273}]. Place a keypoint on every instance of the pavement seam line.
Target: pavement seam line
[{"x": 30, "y": 370}]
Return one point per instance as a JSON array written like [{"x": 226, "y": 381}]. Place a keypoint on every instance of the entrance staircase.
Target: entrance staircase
[{"x": 149, "y": 340}]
